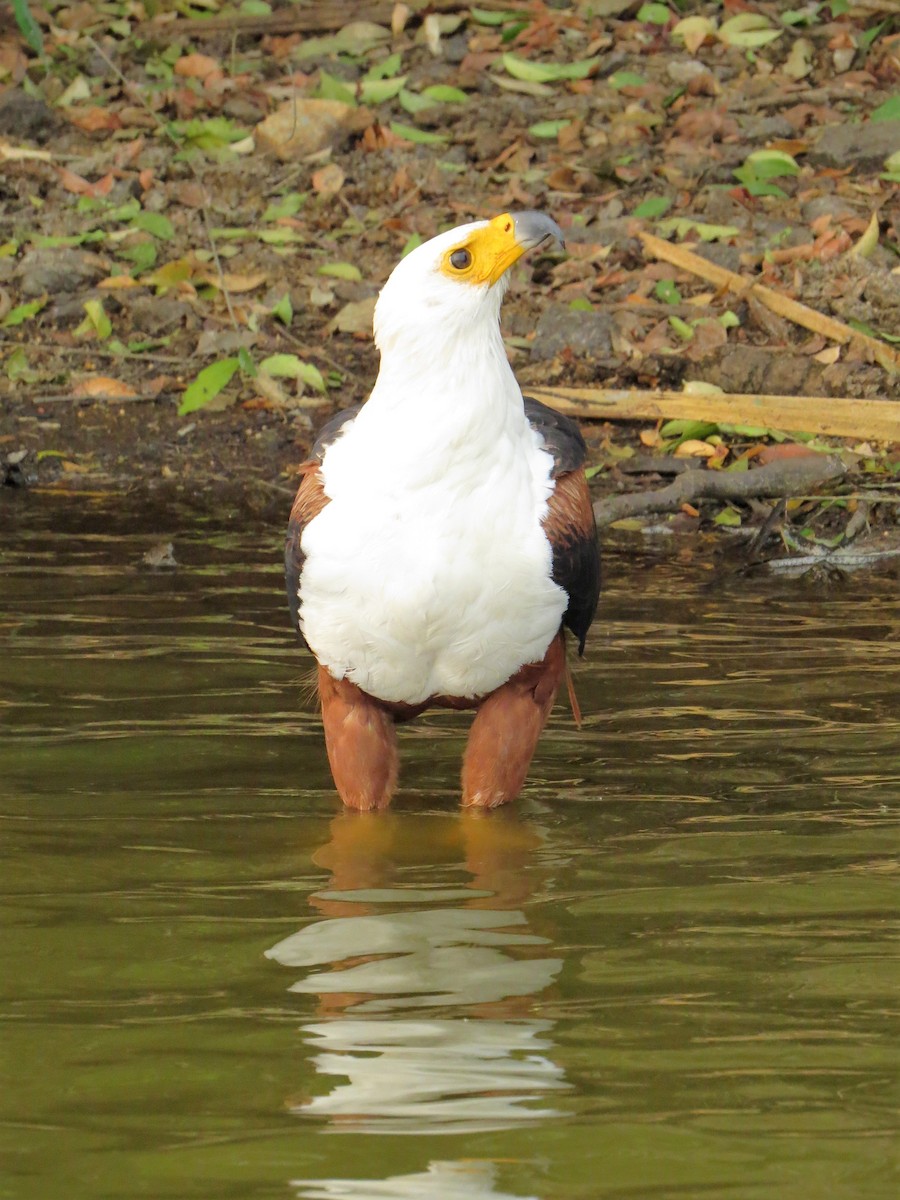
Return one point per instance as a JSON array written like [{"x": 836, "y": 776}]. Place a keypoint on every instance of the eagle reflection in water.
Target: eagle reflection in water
[{"x": 426, "y": 994}]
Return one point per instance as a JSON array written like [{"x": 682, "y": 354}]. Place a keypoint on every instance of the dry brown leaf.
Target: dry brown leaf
[
  {"x": 355, "y": 317},
  {"x": 80, "y": 186},
  {"x": 93, "y": 119},
  {"x": 232, "y": 281},
  {"x": 770, "y": 454},
  {"x": 118, "y": 283},
  {"x": 328, "y": 180},
  {"x": 197, "y": 66},
  {"x": 93, "y": 386},
  {"x": 694, "y": 448}
]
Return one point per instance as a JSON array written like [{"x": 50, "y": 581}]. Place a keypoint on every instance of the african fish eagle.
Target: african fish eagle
[{"x": 442, "y": 535}]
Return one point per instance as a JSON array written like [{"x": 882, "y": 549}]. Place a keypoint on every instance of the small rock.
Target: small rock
[
  {"x": 827, "y": 206},
  {"x": 26, "y": 118},
  {"x": 156, "y": 315},
  {"x": 721, "y": 254},
  {"x": 683, "y": 70},
  {"x": 301, "y": 127},
  {"x": 56, "y": 270},
  {"x": 561, "y": 328},
  {"x": 864, "y": 146},
  {"x": 160, "y": 555}
]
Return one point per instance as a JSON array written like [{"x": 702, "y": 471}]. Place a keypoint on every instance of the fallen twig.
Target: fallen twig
[
  {"x": 823, "y": 415},
  {"x": 789, "y": 477},
  {"x": 799, "y": 313}
]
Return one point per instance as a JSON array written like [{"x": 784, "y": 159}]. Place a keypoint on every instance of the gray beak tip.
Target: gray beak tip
[{"x": 536, "y": 228}]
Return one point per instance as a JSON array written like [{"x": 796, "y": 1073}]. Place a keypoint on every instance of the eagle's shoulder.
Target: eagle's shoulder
[
  {"x": 560, "y": 435},
  {"x": 308, "y": 503},
  {"x": 569, "y": 523}
]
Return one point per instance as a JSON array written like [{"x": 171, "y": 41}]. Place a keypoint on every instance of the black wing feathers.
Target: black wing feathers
[{"x": 569, "y": 523}]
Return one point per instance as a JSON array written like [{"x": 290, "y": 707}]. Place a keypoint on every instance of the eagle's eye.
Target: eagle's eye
[{"x": 460, "y": 259}]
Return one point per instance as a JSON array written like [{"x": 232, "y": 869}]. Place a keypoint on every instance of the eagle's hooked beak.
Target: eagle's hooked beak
[{"x": 534, "y": 229}]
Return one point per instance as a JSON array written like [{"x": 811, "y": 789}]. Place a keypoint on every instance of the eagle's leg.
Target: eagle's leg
[
  {"x": 506, "y": 730},
  {"x": 361, "y": 740}
]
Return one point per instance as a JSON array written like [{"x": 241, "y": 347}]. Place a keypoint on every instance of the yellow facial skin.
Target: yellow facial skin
[{"x": 491, "y": 250}]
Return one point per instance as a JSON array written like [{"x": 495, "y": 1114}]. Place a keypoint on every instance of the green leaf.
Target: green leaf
[
  {"x": 653, "y": 206},
  {"x": 728, "y": 516},
  {"x": 485, "y": 17},
  {"x": 864, "y": 327},
  {"x": 624, "y": 79},
  {"x": 414, "y": 240},
  {"x": 279, "y": 237},
  {"x": 210, "y": 381},
  {"x": 729, "y": 319},
  {"x": 685, "y": 429},
  {"x": 666, "y": 291},
  {"x": 889, "y": 111},
  {"x": 18, "y": 367},
  {"x": 410, "y": 134},
  {"x": 341, "y": 270},
  {"x": 95, "y": 322},
  {"x": 289, "y": 366},
  {"x": 288, "y": 206},
  {"x": 283, "y": 310},
  {"x": 444, "y": 94},
  {"x": 654, "y": 14},
  {"x": 748, "y": 31},
  {"x": 156, "y": 224},
  {"x": 246, "y": 363},
  {"x": 213, "y": 135},
  {"x": 413, "y": 102},
  {"x": 771, "y": 164},
  {"x": 684, "y": 331},
  {"x": 28, "y": 26},
  {"x": 332, "y": 89},
  {"x": 386, "y": 69},
  {"x": 377, "y": 91},
  {"x": 800, "y": 16},
  {"x": 23, "y": 312},
  {"x": 892, "y": 168},
  {"x": 541, "y": 72},
  {"x": 547, "y": 129},
  {"x": 52, "y": 242},
  {"x": 756, "y": 187},
  {"x": 581, "y": 304},
  {"x": 869, "y": 35}
]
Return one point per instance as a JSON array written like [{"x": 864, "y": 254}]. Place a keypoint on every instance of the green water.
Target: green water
[{"x": 666, "y": 973}]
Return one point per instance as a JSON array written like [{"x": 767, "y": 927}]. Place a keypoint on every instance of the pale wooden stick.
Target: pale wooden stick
[
  {"x": 799, "y": 313},
  {"x": 878, "y": 420}
]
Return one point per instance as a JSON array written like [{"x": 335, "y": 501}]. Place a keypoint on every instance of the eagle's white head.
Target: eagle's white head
[{"x": 454, "y": 284}]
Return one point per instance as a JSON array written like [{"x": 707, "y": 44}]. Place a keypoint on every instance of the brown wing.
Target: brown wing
[
  {"x": 308, "y": 503},
  {"x": 569, "y": 523},
  {"x": 570, "y": 528}
]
